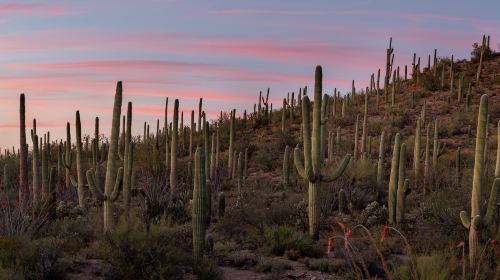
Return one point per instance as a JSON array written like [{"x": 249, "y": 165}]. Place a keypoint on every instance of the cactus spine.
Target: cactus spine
[
  {"x": 199, "y": 205},
  {"x": 309, "y": 165},
  {"x": 393, "y": 179},
  {"x": 114, "y": 178}
]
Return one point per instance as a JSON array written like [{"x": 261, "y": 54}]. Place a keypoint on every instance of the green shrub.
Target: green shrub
[
  {"x": 207, "y": 269},
  {"x": 280, "y": 239}
]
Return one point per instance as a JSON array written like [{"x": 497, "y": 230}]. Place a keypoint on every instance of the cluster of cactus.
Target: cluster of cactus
[
  {"x": 398, "y": 185},
  {"x": 310, "y": 164},
  {"x": 479, "y": 218}
]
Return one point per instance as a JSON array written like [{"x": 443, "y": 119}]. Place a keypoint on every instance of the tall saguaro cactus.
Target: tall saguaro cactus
[
  {"x": 173, "y": 148},
  {"x": 128, "y": 159},
  {"x": 114, "y": 178},
  {"x": 393, "y": 179},
  {"x": 79, "y": 162},
  {"x": 199, "y": 205},
  {"x": 416, "y": 153},
  {"x": 23, "y": 154},
  {"x": 231, "y": 159},
  {"x": 479, "y": 218},
  {"x": 310, "y": 163}
]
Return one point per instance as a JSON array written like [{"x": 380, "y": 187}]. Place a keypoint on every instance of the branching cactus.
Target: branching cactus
[
  {"x": 114, "y": 178},
  {"x": 199, "y": 205},
  {"x": 310, "y": 164},
  {"x": 475, "y": 221}
]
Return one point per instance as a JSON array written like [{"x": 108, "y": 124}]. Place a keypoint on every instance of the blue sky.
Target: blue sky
[{"x": 68, "y": 55}]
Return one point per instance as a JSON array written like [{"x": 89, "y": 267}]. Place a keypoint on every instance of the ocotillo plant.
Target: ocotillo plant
[
  {"x": 310, "y": 164},
  {"x": 173, "y": 147},
  {"x": 199, "y": 205},
  {"x": 478, "y": 218},
  {"x": 393, "y": 179},
  {"x": 114, "y": 178}
]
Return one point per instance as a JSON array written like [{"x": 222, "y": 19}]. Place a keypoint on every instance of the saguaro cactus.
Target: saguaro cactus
[
  {"x": 310, "y": 164},
  {"x": 231, "y": 160},
  {"x": 128, "y": 159},
  {"x": 199, "y": 205},
  {"x": 380, "y": 163},
  {"x": 402, "y": 185},
  {"x": 173, "y": 147},
  {"x": 393, "y": 179},
  {"x": 23, "y": 154},
  {"x": 438, "y": 147},
  {"x": 79, "y": 162},
  {"x": 475, "y": 221},
  {"x": 114, "y": 179},
  {"x": 36, "y": 170},
  {"x": 416, "y": 153}
]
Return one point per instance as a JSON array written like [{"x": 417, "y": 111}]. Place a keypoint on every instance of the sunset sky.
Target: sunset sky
[{"x": 67, "y": 55}]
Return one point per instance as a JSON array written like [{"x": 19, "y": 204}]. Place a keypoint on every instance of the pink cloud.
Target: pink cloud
[{"x": 31, "y": 9}]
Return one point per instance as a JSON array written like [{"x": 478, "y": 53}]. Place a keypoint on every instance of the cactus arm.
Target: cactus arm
[
  {"x": 98, "y": 194},
  {"x": 118, "y": 185},
  {"x": 65, "y": 161},
  {"x": 492, "y": 202},
  {"x": 465, "y": 218},
  {"x": 73, "y": 181},
  {"x": 329, "y": 177},
  {"x": 308, "y": 168},
  {"x": 299, "y": 162}
]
